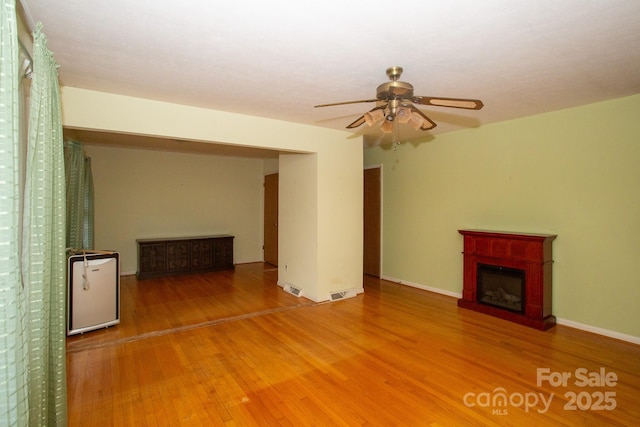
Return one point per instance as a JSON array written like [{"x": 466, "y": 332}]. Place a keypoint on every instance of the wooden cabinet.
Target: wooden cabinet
[{"x": 182, "y": 255}]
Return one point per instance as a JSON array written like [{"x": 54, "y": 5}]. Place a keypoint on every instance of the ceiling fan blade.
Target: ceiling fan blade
[
  {"x": 360, "y": 120},
  {"x": 469, "y": 104},
  {"x": 428, "y": 123},
  {"x": 345, "y": 103}
]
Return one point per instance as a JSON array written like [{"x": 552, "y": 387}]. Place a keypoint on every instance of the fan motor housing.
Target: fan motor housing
[{"x": 394, "y": 90}]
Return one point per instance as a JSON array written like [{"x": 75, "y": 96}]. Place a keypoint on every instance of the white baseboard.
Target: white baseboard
[
  {"x": 565, "y": 322},
  {"x": 423, "y": 287},
  {"x": 599, "y": 331}
]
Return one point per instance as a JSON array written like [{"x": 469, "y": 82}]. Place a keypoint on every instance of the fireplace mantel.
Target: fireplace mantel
[{"x": 528, "y": 252}]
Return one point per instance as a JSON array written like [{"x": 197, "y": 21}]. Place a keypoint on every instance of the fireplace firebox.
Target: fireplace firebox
[
  {"x": 508, "y": 275},
  {"x": 501, "y": 287}
]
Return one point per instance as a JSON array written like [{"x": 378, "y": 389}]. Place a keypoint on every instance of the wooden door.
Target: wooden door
[
  {"x": 271, "y": 219},
  {"x": 372, "y": 221}
]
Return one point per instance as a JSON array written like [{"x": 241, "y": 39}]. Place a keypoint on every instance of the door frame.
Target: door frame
[
  {"x": 264, "y": 222},
  {"x": 378, "y": 166}
]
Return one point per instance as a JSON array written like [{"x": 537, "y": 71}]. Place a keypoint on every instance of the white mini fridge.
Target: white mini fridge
[{"x": 93, "y": 297}]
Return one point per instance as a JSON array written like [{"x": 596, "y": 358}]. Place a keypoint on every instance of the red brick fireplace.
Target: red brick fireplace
[{"x": 508, "y": 275}]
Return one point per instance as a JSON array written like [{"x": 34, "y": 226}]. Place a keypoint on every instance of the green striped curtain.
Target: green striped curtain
[
  {"x": 13, "y": 380},
  {"x": 79, "y": 185},
  {"x": 44, "y": 255}
]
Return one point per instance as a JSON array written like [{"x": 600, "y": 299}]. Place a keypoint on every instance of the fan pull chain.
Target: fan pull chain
[{"x": 396, "y": 137}]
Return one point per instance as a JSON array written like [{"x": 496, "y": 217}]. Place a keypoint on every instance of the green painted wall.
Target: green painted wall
[{"x": 574, "y": 173}]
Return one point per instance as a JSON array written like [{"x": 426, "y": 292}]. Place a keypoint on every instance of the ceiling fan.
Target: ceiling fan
[{"x": 395, "y": 103}]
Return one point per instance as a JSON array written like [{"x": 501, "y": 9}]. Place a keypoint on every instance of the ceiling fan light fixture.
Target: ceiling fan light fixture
[
  {"x": 387, "y": 126},
  {"x": 416, "y": 121},
  {"x": 403, "y": 115},
  {"x": 373, "y": 117}
]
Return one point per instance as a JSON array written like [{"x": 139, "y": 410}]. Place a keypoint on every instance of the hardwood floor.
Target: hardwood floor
[{"x": 233, "y": 349}]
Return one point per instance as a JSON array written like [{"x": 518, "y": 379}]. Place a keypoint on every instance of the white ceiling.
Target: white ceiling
[{"x": 279, "y": 58}]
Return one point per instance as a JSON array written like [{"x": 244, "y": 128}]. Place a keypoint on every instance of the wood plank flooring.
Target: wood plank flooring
[{"x": 233, "y": 349}]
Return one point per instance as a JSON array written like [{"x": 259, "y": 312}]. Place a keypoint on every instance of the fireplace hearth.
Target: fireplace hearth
[{"x": 508, "y": 275}]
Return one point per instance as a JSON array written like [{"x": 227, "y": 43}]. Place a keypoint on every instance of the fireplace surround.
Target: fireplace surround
[{"x": 508, "y": 275}]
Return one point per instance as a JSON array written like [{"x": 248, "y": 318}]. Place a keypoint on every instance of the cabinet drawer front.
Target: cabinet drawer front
[
  {"x": 201, "y": 254},
  {"x": 152, "y": 258},
  {"x": 223, "y": 252},
  {"x": 177, "y": 256}
]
